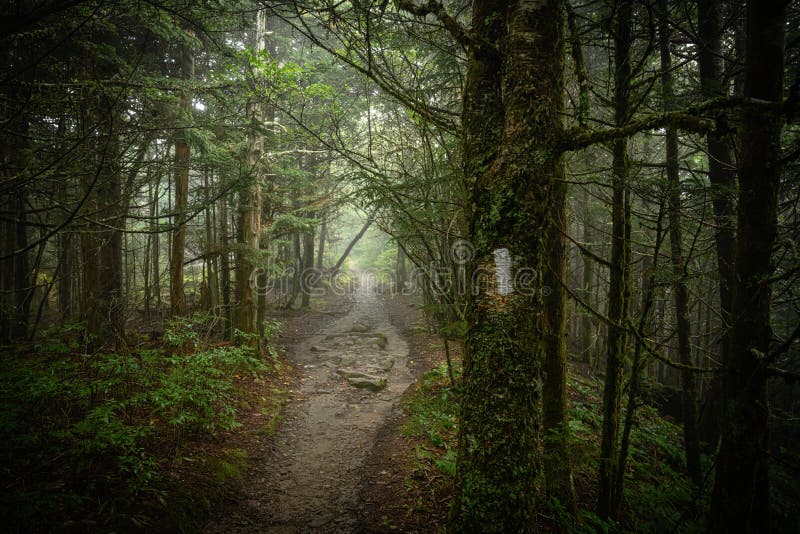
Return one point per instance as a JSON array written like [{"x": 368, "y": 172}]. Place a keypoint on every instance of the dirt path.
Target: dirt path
[{"x": 352, "y": 375}]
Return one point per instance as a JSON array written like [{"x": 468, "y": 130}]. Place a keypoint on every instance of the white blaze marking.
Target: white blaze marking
[{"x": 502, "y": 269}]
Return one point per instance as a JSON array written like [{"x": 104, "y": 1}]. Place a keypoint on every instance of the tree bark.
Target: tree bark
[
  {"x": 18, "y": 282},
  {"x": 512, "y": 116},
  {"x": 740, "y": 500},
  {"x": 210, "y": 247},
  {"x": 177, "y": 296},
  {"x": 587, "y": 324},
  {"x": 557, "y": 466},
  {"x": 400, "y": 270},
  {"x": 721, "y": 174},
  {"x": 250, "y": 206},
  {"x": 23, "y": 281},
  {"x": 619, "y": 288},
  {"x": 680, "y": 292},
  {"x": 109, "y": 285},
  {"x": 225, "y": 266},
  {"x": 308, "y": 279},
  {"x": 323, "y": 236}
]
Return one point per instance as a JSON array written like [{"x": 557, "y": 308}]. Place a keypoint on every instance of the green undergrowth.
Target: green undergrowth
[
  {"x": 431, "y": 419},
  {"x": 272, "y": 410},
  {"x": 229, "y": 466},
  {"x": 659, "y": 497},
  {"x": 89, "y": 440}
]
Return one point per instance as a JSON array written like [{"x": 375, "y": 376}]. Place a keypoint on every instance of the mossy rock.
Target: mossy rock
[
  {"x": 230, "y": 466},
  {"x": 361, "y": 380},
  {"x": 372, "y": 384}
]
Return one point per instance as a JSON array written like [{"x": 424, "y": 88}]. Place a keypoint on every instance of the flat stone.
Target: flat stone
[
  {"x": 360, "y": 379},
  {"x": 352, "y": 373},
  {"x": 372, "y": 384}
]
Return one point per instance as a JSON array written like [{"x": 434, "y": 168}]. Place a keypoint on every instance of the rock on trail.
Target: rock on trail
[{"x": 353, "y": 373}]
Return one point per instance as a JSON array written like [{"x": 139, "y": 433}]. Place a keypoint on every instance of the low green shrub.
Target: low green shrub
[{"x": 90, "y": 434}]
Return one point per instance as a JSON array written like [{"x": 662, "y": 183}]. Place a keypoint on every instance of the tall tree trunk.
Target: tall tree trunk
[
  {"x": 680, "y": 291},
  {"x": 639, "y": 363},
  {"x": 308, "y": 279},
  {"x": 400, "y": 270},
  {"x": 297, "y": 254},
  {"x": 740, "y": 500},
  {"x": 510, "y": 167},
  {"x": 156, "y": 251},
  {"x": 210, "y": 248},
  {"x": 177, "y": 297},
  {"x": 23, "y": 281},
  {"x": 585, "y": 327},
  {"x": 110, "y": 297},
  {"x": 250, "y": 206},
  {"x": 323, "y": 236},
  {"x": 721, "y": 174},
  {"x": 619, "y": 288},
  {"x": 102, "y": 305},
  {"x": 148, "y": 249},
  {"x": 89, "y": 266},
  {"x": 587, "y": 324},
  {"x": 66, "y": 245},
  {"x": 225, "y": 266},
  {"x": 18, "y": 281},
  {"x": 557, "y": 468}
]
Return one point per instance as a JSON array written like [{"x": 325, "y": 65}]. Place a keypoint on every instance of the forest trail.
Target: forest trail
[{"x": 352, "y": 375}]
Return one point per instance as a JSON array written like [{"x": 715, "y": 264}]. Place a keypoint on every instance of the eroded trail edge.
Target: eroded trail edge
[{"x": 352, "y": 375}]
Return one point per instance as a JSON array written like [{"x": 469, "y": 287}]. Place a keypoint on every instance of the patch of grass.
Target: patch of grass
[
  {"x": 228, "y": 467},
  {"x": 418, "y": 328},
  {"x": 273, "y": 411},
  {"x": 431, "y": 412}
]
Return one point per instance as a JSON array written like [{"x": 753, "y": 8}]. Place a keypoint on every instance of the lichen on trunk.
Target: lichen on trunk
[{"x": 510, "y": 166}]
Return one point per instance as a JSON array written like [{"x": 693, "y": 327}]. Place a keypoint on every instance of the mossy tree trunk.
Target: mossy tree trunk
[
  {"x": 558, "y": 471},
  {"x": 619, "y": 288},
  {"x": 249, "y": 225},
  {"x": 177, "y": 297},
  {"x": 740, "y": 501},
  {"x": 512, "y": 118}
]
